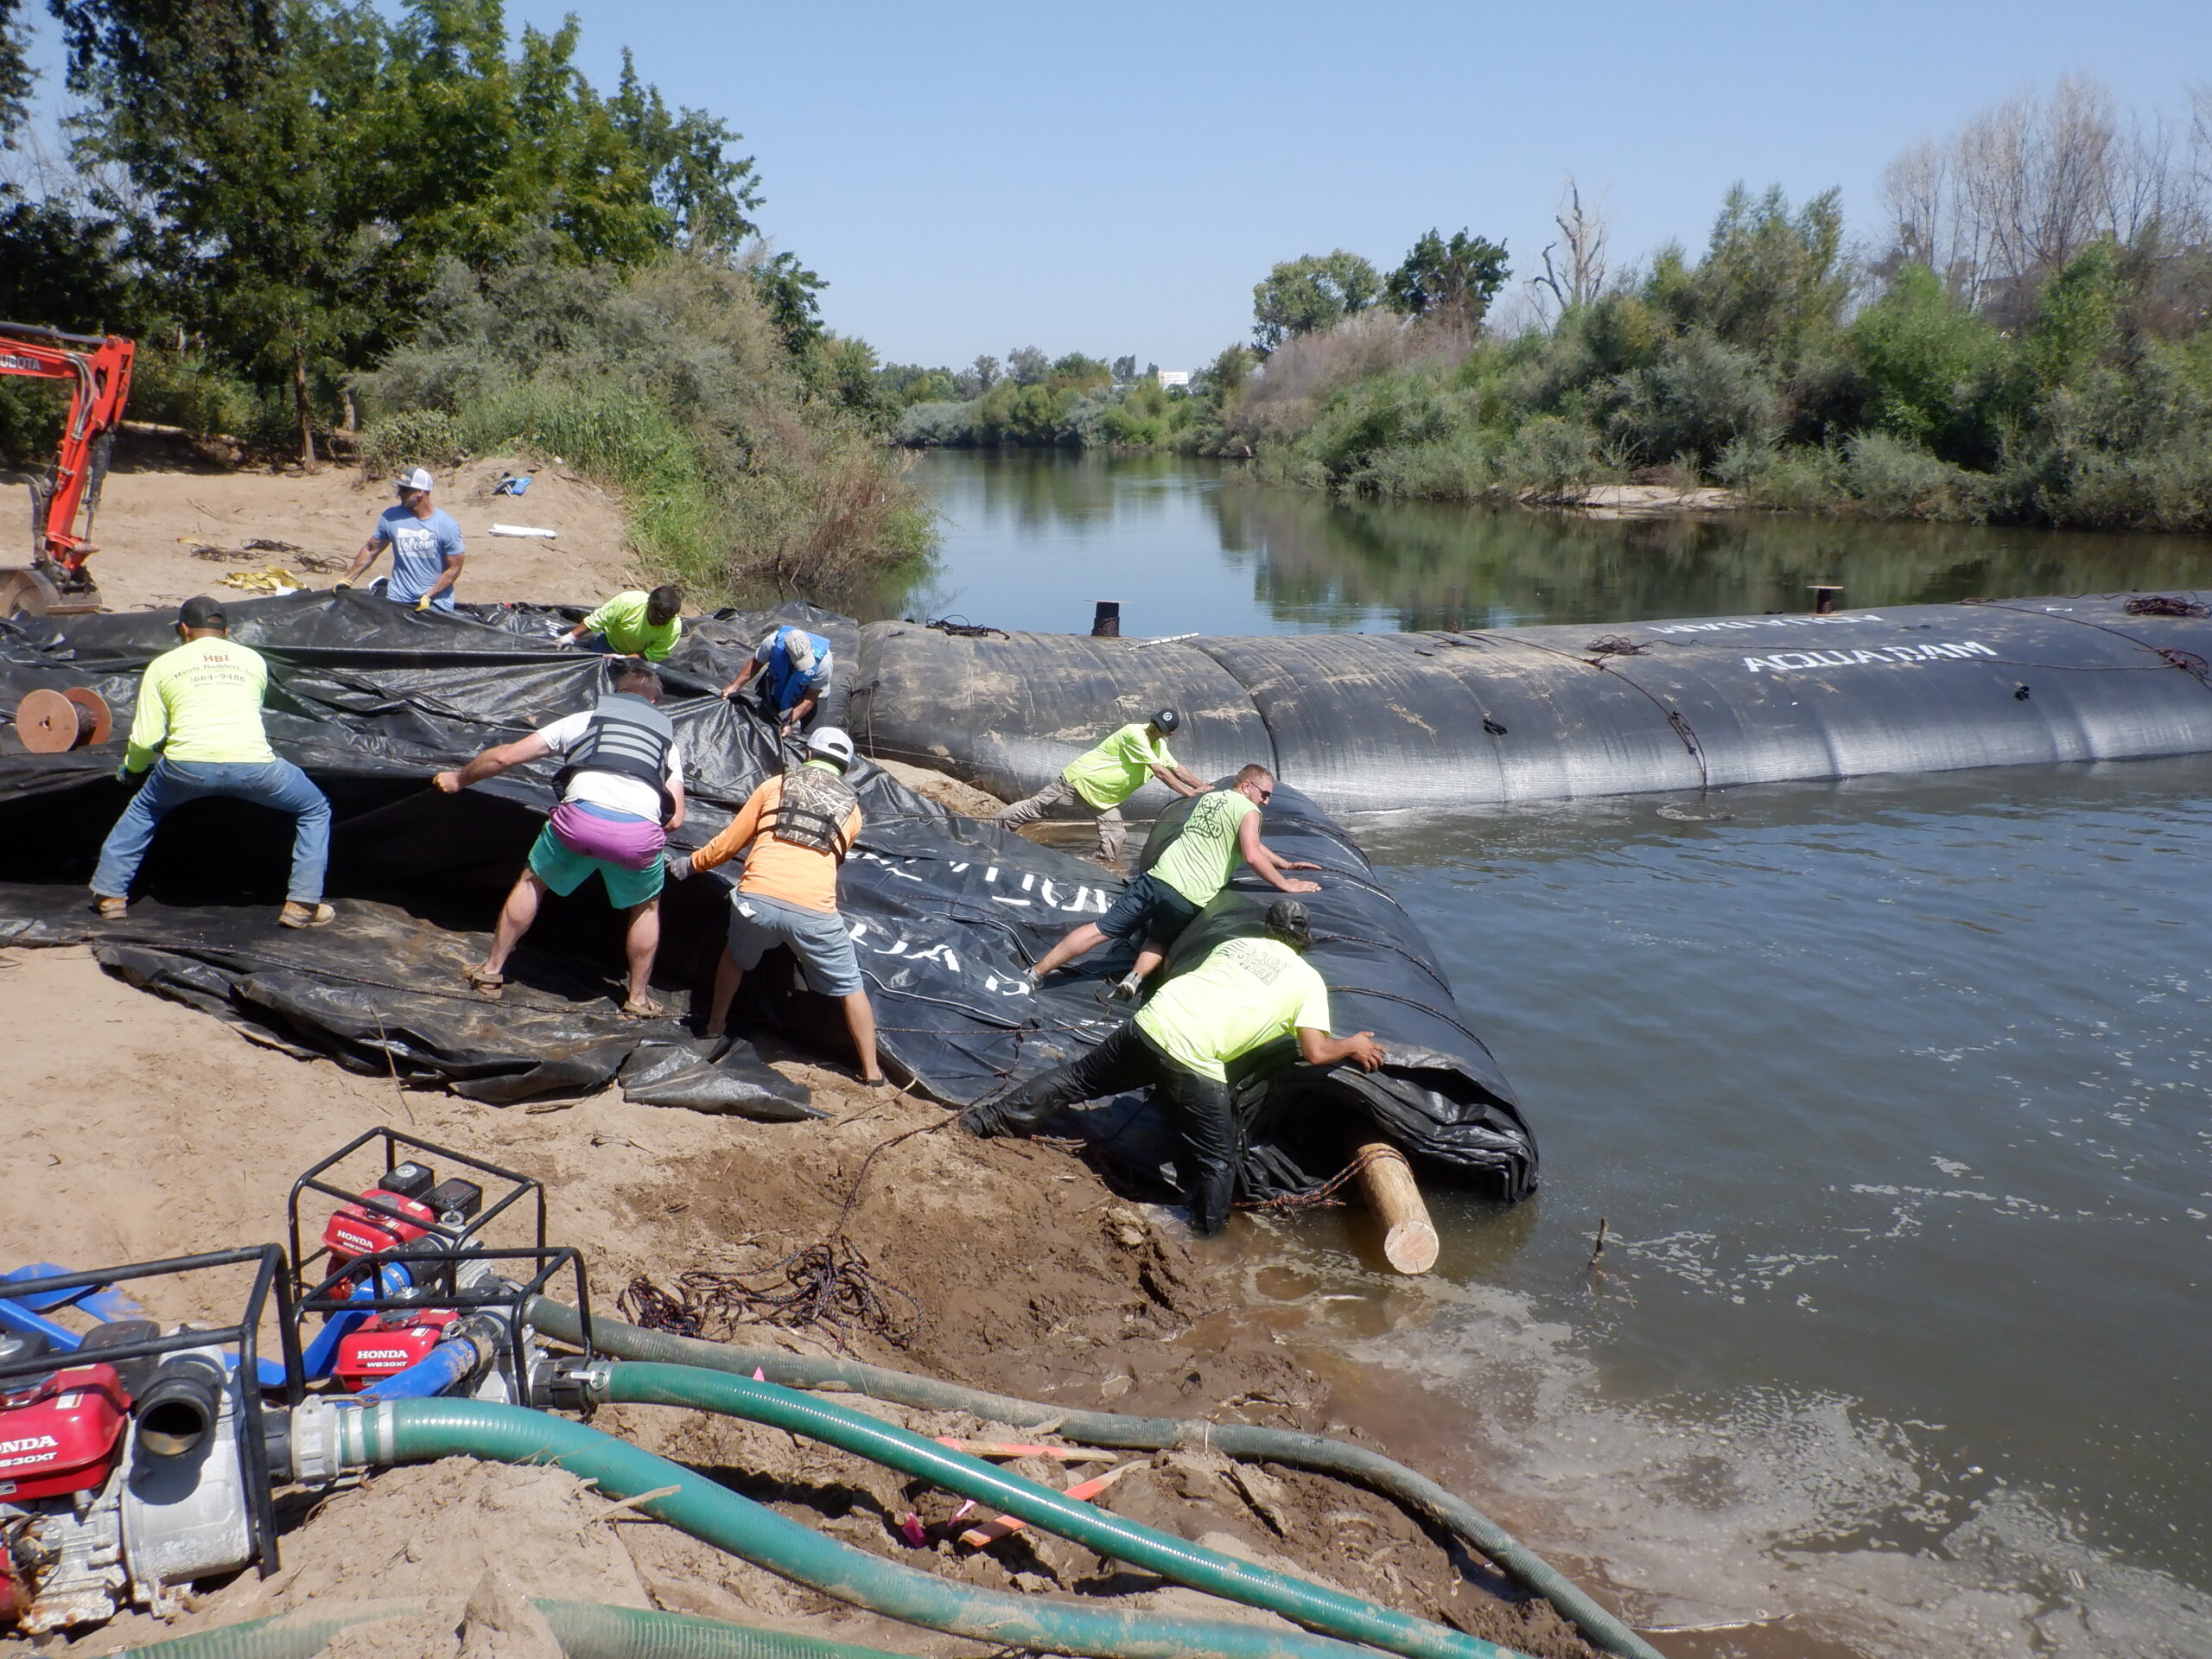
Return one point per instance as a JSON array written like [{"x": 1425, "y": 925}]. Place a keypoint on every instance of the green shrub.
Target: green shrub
[
  {"x": 1552, "y": 455},
  {"x": 1895, "y": 479},
  {"x": 1697, "y": 398},
  {"x": 413, "y": 437},
  {"x": 186, "y": 390},
  {"x": 743, "y": 469}
]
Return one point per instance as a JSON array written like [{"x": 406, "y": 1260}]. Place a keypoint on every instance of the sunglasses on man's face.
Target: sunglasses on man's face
[{"x": 1266, "y": 795}]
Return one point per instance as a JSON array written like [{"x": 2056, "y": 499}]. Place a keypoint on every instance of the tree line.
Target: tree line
[
  {"x": 2028, "y": 338},
  {"x": 279, "y": 198}
]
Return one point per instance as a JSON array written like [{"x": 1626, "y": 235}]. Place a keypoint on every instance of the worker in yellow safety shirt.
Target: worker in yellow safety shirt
[
  {"x": 1100, "y": 779},
  {"x": 197, "y": 732},
  {"x": 633, "y": 623},
  {"x": 1221, "y": 831},
  {"x": 1248, "y": 993}
]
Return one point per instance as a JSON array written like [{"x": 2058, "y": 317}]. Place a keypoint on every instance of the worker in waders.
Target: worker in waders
[
  {"x": 793, "y": 832},
  {"x": 621, "y": 792},
  {"x": 197, "y": 732},
  {"x": 1245, "y": 995},
  {"x": 1103, "y": 777},
  {"x": 633, "y": 623},
  {"x": 1222, "y": 831},
  {"x": 794, "y": 669}
]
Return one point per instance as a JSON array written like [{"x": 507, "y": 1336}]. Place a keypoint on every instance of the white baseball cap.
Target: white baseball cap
[
  {"x": 416, "y": 479},
  {"x": 799, "y": 649}
]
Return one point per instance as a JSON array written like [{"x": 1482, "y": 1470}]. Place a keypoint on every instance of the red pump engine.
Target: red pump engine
[
  {"x": 61, "y": 1432},
  {"x": 389, "y": 1344}
]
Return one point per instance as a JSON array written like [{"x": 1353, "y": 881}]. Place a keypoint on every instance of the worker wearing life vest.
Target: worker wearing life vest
[
  {"x": 793, "y": 667},
  {"x": 197, "y": 732},
  {"x": 1247, "y": 993},
  {"x": 621, "y": 792},
  {"x": 793, "y": 832},
  {"x": 1222, "y": 831},
  {"x": 1100, "y": 779},
  {"x": 633, "y": 623}
]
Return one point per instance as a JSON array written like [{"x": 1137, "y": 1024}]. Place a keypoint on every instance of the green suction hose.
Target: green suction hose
[
  {"x": 585, "y": 1630},
  {"x": 1110, "y": 1428},
  {"x": 1330, "y": 1611},
  {"x": 422, "y": 1431}
]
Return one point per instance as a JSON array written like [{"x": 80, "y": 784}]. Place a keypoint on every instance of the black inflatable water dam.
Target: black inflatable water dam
[
  {"x": 1375, "y": 722},
  {"x": 371, "y": 698}
]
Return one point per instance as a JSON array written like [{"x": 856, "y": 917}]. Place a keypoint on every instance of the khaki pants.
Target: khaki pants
[{"x": 1059, "y": 792}]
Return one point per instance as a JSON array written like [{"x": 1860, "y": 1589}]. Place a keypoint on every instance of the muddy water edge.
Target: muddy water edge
[{"x": 1891, "y": 1098}]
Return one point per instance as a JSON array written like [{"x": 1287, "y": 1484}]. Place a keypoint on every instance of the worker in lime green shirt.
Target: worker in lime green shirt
[
  {"x": 634, "y": 623},
  {"x": 1102, "y": 778},
  {"x": 1248, "y": 993},
  {"x": 1222, "y": 831},
  {"x": 197, "y": 732}
]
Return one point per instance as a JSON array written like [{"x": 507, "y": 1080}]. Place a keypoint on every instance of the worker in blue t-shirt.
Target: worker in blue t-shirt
[
  {"x": 793, "y": 667},
  {"x": 426, "y": 548}
]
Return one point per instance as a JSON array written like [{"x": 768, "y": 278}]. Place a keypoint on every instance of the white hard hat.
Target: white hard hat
[{"x": 830, "y": 743}]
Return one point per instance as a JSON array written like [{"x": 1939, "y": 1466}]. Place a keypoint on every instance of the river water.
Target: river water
[{"x": 1894, "y": 1098}]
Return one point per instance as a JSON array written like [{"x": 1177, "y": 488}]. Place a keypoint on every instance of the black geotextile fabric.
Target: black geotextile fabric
[
  {"x": 370, "y": 698},
  {"x": 1377, "y": 721}
]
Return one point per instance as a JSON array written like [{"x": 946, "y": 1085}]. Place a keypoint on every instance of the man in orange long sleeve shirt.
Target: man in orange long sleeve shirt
[{"x": 793, "y": 832}]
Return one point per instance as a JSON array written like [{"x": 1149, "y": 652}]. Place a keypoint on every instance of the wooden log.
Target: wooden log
[{"x": 1409, "y": 1241}]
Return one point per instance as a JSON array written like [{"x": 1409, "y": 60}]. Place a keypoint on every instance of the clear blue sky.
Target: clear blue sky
[{"x": 1113, "y": 179}]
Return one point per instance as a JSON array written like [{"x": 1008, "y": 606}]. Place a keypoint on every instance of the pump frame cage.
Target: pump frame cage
[
  {"x": 518, "y": 1187},
  {"x": 446, "y": 1293},
  {"x": 272, "y": 1277}
]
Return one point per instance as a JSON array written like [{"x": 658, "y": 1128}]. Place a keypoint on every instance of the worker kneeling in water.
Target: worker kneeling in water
[
  {"x": 197, "y": 732},
  {"x": 793, "y": 832},
  {"x": 1245, "y": 995},
  {"x": 621, "y": 792}
]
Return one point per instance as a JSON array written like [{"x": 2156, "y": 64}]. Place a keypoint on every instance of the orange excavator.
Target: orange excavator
[{"x": 98, "y": 368}]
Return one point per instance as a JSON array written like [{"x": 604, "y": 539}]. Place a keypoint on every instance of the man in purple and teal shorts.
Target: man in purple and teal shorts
[{"x": 621, "y": 792}]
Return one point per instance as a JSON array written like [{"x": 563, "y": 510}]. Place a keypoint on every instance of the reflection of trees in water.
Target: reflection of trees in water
[
  {"x": 1439, "y": 566},
  {"x": 1031, "y": 491}
]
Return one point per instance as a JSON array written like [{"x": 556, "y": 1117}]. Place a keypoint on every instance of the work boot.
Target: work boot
[
  {"x": 110, "y": 909},
  {"x": 296, "y": 914},
  {"x": 990, "y": 1118}
]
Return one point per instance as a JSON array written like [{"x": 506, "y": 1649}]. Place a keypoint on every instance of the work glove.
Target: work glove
[
  {"x": 677, "y": 868},
  {"x": 565, "y": 641},
  {"x": 342, "y": 587},
  {"x": 129, "y": 778},
  {"x": 423, "y": 603}
]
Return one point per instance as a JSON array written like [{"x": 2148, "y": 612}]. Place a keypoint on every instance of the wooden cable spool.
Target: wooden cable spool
[{"x": 53, "y": 722}]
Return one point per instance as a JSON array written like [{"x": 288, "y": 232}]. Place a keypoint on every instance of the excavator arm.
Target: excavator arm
[{"x": 98, "y": 369}]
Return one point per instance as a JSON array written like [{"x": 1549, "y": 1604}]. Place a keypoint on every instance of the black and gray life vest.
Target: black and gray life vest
[
  {"x": 630, "y": 738},
  {"x": 812, "y": 812}
]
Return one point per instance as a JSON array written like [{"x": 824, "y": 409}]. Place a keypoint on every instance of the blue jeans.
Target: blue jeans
[{"x": 276, "y": 784}]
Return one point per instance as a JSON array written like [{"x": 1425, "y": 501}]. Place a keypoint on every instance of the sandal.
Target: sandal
[
  {"x": 642, "y": 1008},
  {"x": 490, "y": 987}
]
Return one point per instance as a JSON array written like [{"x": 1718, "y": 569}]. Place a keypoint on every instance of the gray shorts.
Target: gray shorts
[{"x": 820, "y": 942}]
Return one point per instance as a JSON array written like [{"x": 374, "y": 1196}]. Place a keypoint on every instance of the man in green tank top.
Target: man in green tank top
[{"x": 1222, "y": 831}]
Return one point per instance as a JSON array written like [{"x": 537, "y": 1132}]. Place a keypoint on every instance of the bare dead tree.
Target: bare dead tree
[
  {"x": 1579, "y": 275},
  {"x": 2031, "y": 180}
]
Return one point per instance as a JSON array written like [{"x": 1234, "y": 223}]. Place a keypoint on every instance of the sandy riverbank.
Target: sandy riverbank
[{"x": 142, "y": 1129}]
